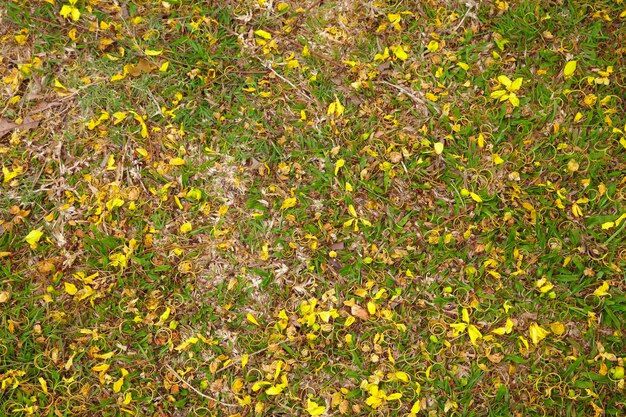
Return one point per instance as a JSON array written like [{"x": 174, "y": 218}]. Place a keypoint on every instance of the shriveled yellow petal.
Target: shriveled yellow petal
[
  {"x": 185, "y": 228},
  {"x": 314, "y": 409},
  {"x": 289, "y": 203},
  {"x": 602, "y": 290},
  {"x": 474, "y": 333},
  {"x": 399, "y": 52},
  {"x": 537, "y": 333}
]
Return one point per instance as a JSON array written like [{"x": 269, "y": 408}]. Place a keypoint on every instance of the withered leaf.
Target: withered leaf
[
  {"x": 142, "y": 67},
  {"x": 359, "y": 312}
]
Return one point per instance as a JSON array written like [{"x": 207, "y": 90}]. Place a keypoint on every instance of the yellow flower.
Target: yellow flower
[
  {"x": 70, "y": 11},
  {"x": 508, "y": 92},
  {"x": 315, "y": 409}
]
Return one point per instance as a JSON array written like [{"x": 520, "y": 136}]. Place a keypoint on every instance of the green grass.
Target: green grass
[{"x": 120, "y": 309}]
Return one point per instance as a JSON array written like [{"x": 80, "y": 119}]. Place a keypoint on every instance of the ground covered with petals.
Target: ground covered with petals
[{"x": 264, "y": 208}]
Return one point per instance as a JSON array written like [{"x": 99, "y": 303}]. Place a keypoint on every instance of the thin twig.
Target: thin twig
[
  {"x": 180, "y": 378},
  {"x": 408, "y": 93},
  {"x": 298, "y": 90},
  {"x": 463, "y": 18},
  {"x": 405, "y": 91}
]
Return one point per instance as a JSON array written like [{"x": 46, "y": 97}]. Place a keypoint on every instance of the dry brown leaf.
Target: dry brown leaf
[
  {"x": 360, "y": 312},
  {"x": 6, "y": 126},
  {"x": 496, "y": 357},
  {"x": 141, "y": 67}
]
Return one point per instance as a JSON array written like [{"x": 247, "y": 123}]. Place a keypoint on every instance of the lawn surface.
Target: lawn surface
[{"x": 264, "y": 208}]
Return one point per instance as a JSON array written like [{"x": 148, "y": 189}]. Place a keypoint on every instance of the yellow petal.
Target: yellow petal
[
  {"x": 44, "y": 385},
  {"x": 465, "y": 315},
  {"x": 57, "y": 84},
  {"x": 70, "y": 288},
  {"x": 165, "y": 315},
  {"x": 394, "y": 17},
  {"x": 476, "y": 197},
  {"x": 557, "y": 328},
  {"x": 371, "y": 308},
  {"x": 103, "y": 367},
  {"x": 274, "y": 390},
  {"x": 153, "y": 52},
  {"x": 194, "y": 193},
  {"x": 339, "y": 164},
  {"x": 602, "y": 290},
  {"x": 438, "y": 147},
  {"x": 252, "y": 319},
  {"x": 537, "y": 333},
  {"x": 504, "y": 80},
  {"x": 499, "y": 330},
  {"x": 474, "y": 333},
  {"x": 65, "y": 11},
  {"x": 608, "y": 225},
  {"x": 459, "y": 327},
  {"x": 570, "y": 67},
  {"x": 263, "y": 34},
  {"x": 339, "y": 108},
  {"x": 289, "y": 203},
  {"x": 33, "y": 237},
  {"x": 508, "y": 327},
  {"x": 117, "y": 385},
  {"x": 402, "y": 376},
  {"x": 185, "y": 228},
  {"x": 331, "y": 108},
  {"x": 177, "y": 161},
  {"x": 398, "y": 51},
  {"x": 315, "y": 409}
]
